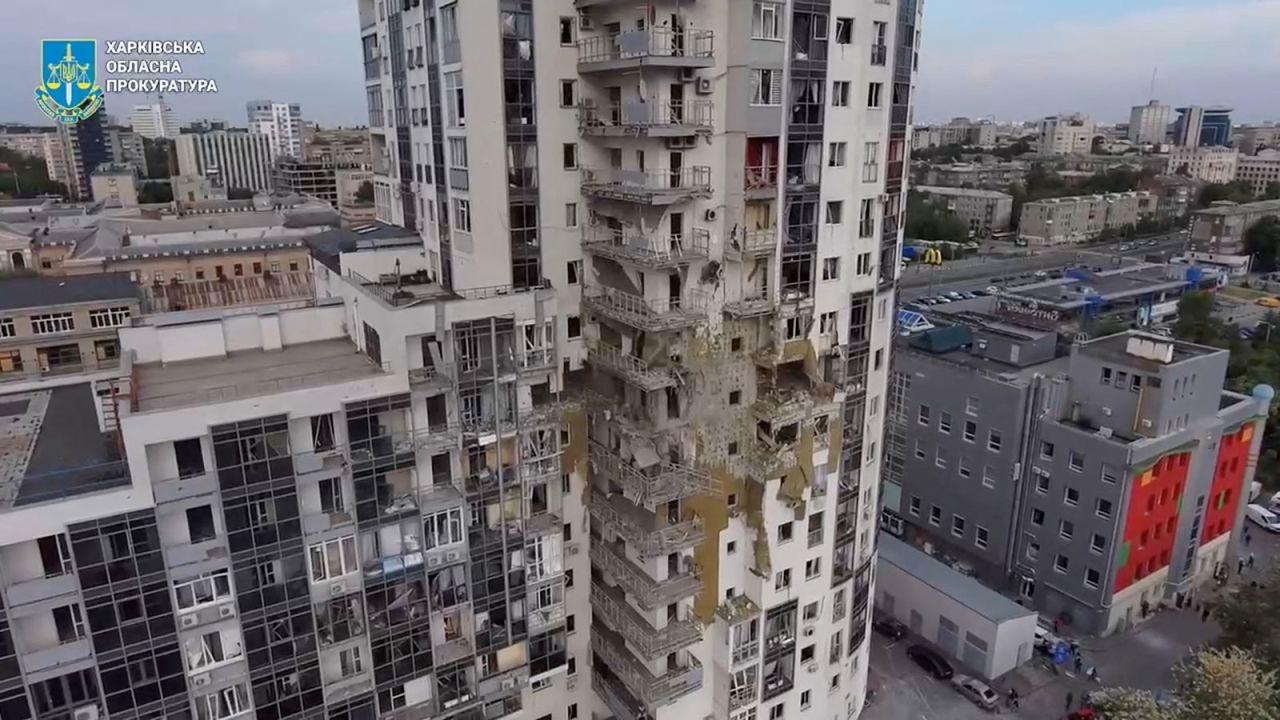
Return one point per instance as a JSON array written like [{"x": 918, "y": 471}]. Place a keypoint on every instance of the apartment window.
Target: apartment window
[
  {"x": 831, "y": 268},
  {"x": 568, "y": 24},
  {"x": 1061, "y": 563},
  {"x": 944, "y": 423},
  {"x": 864, "y": 263},
  {"x": 1075, "y": 461},
  {"x": 731, "y": 548},
  {"x": 6, "y": 328},
  {"x": 350, "y": 661},
  {"x": 988, "y": 477},
  {"x": 570, "y": 155},
  {"x": 840, "y": 93},
  {"x": 462, "y": 215},
  {"x": 331, "y": 495},
  {"x": 963, "y": 466},
  {"x": 1037, "y": 517},
  {"x": 1097, "y": 543},
  {"x": 874, "y": 92},
  {"x": 573, "y": 327},
  {"x": 205, "y": 590},
  {"x": 935, "y": 515},
  {"x": 914, "y": 506},
  {"x": 456, "y": 99},
  {"x": 1109, "y": 475},
  {"x": 782, "y": 580},
  {"x": 957, "y": 525},
  {"x": 1042, "y": 484},
  {"x": 223, "y": 704},
  {"x": 776, "y": 712},
  {"x": 333, "y": 559},
  {"x": 108, "y": 317},
  {"x": 1046, "y": 450},
  {"x": 844, "y": 31},
  {"x": 568, "y": 93},
  {"x": 972, "y": 405},
  {"x": 766, "y": 21},
  {"x": 981, "y": 537},
  {"x": 994, "y": 440},
  {"x": 1066, "y": 529},
  {"x": 766, "y": 86},
  {"x": 458, "y": 153},
  {"x": 836, "y": 152},
  {"x": 939, "y": 458},
  {"x": 1071, "y": 496},
  {"x": 871, "y": 162},
  {"x": 970, "y": 431},
  {"x": 923, "y": 417},
  {"x": 571, "y": 215},
  {"x": 52, "y": 323},
  {"x": 1102, "y": 508},
  {"x": 1091, "y": 578},
  {"x": 812, "y": 568},
  {"x": 785, "y": 532},
  {"x": 827, "y": 322},
  {"x": 573, "y": 271},
  {"x": 200, "y": 527},
  {"x": 443, "y": 528},
  {"x": 835, "y": 212}
]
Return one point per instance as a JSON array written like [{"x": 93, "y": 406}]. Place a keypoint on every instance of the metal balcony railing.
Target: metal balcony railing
[
  {"x": 664, "y": 482},
  {"x": 426, "y": 377},
  {"x": 651, "y": 117},
  {"x": 761, "y": 178},
  {"x": 648, "y": 186},
  {"x": 610, "y": 605},
  {"x": 684, "y": 46},
  {"x": 615, "y": 695},
  {"x": 633, "y": 369},
  {"x": 651, "y": 250},
  {"x": 649, "y": 593},
  {"x": 641, "y": 529},
  {"x": 755, "y": 243},
  {"x": 747, "y": 692},
  {"x": 652, "y": 691},
  {"x": 754, "y": 304},
  {"x": 660, "y": 315}
]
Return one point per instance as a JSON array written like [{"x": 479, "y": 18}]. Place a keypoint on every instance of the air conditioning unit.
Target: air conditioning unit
[
  {"x": 704, "y": 86},
  {"x": 452, "y": 556},
  {"x": 201, "y": 680},
  {"x": 189, "y": 620},
  {"x": 711, "y": 215},
  {"x": 337, "y": 589},
  {"x": 811, "y": 668},
  {"x": 508, "y": 683},
  {"x": 585, "y": 21},
  {"x": 808, "y": 631},
  {"x": 227, "y": 610},
  {"x": 433, "y": 561},
  {"x": 88, "y": 712},
  {"x": 573, "y": 683}
]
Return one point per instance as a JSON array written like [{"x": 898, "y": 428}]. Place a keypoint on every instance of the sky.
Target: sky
[{"x": 1008, "y": 59}]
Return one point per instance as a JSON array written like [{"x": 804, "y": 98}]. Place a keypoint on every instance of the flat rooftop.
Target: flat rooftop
[
  {"x": 46, "y": 291},
  {"x": 1075, "y": 289},
  {"x": 250, "y": 373},
  {"x": 1260, "y": 207},
  {"x": 51, "y": 447},
  {"x": 1115, "y": 349},
  {"x": 963, "y": 192},
  {"x": 961, "y": 589}
]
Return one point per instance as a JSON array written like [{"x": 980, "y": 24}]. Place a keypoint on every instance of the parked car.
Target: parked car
[
  {"x": 1268, "y": 302},
  {"x": 930, "y": 661},
  {"x": 1046, "y": 641},
  {"x": 993, "y": 290},
  {"x": 968, "y": 295},
  {"x": 977, "y": 691},
  {"x": 1125, "y": 247},
  {"x": 1263, "y": 517},
  {"x": 943, "y": 299},
  {"x": 890, "y": 628},
  {"x": 980, "y": 293},
  {"x": 954, "y": 295}
]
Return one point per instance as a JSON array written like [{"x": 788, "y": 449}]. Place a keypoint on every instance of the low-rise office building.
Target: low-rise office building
[
  {"x": 985, "y": 211},
  {"x": 959, "y": 131},
  {"x": 1065, "y": 134},
  {"x": 982, "y": 175},
  {"x": 1218, "y": 232},
  {"x": 115, "y": 185},
  {"x": 1211, "y": 164},
  {"x": 1057, "y": 221},
  {"x": 1260, "y": 171}
]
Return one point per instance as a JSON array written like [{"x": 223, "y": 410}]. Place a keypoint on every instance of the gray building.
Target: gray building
[
  {"x": 1219, "y": 230},
  {"x": 986, "y": 211},
  {"x": 1092, "y": 485}
]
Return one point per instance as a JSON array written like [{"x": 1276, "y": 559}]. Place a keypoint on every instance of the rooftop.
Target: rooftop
[
  {"x": 51, "y": 447},
  {"x": 326, "y": 246},
  {"x": 1080, "y": 286},
  {"x": 960, "y": 588},
  {"x": 965, "y": 192},
  {"x": 1226, "y": 209},
  {"x": 1150, "y": 352},
  {"x": 46, "y": 291},
  {"x": 248, "y": 373}
]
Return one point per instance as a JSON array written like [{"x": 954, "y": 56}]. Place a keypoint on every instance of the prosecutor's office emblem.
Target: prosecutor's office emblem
[{"x": 69, "y": 90}]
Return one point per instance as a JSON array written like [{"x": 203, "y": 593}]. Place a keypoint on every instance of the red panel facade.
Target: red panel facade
[
  {"x": 1228, "y": 482},
  {"x": 1152, "y": 518}
]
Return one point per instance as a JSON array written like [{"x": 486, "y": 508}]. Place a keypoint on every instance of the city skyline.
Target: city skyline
[{"x": 1057, "y": 62}]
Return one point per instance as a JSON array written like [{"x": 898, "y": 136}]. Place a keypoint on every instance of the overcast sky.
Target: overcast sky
[{"x": 1011, "y": 59}]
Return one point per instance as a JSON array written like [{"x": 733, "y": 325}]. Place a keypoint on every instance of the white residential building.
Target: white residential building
[
  {"x": 1065, "y": 135},
  {"x": 281, "y": 123},
  {"x": 1210, "y": 164},
  {"x": 154, "y": 120},
  {"x": 1259, "y": 170},
  {"x": 228, "y": 159},
  {"x": 1149, "y": 123}
]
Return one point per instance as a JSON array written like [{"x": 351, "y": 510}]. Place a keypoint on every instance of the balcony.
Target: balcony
[
  {"x": 610, "y": 605},
  {"x": 650, "y": 251},
  {"x": 653, "y": 47},
  {"x": 647, "y": 118},
  {"x": 438, "y": 377},
  {"x": 50, "y": 658},
  {"x": 631, "y": 368},
  {"x": 761, "y": 181},
  {"x": 41, "y": 588},
  {"x": 649, "y": 187},
  {"x": 650, "y": 690},
  {"x": 746, "y": 691},
  {"x": 650, "y": 593},
  {"x": 659, "y": 483},
  {"x": 543, "y": 619},
  {"x": 753, "y": 244},
  {"x": 641, "y": 529},
  {"x": 755, "y": 304},
  {"x": 660, "y": 315}
]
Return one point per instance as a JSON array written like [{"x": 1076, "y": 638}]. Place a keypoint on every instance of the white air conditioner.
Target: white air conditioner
[
  {"x": 452, "y": 556},
  {"x": 711, "y": 215},
  {"x": 704, "y": 86},
  {"x": 201, "y": 680},
  {"x": 433, "y": 561},
  {"x": 226, "y": 610},
  {"x": 307, "y": 463},
  {"x": 808, "y": 631},
  {"x": 337, "y": 589},
  {"x": 508, "y": 683},
  {"x": 811, "y": 668},
  {"x": 88, "y": 712},
  {"x": 189, "y": 620}
]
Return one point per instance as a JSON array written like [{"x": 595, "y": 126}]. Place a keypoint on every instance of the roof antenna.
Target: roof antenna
[{"x": 1152, "y": 94}]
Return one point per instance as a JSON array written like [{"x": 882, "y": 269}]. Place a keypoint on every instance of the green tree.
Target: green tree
[
  {"x": 1129, "y": 704},
  {"x": 159, "y": 156},
  {"x": 1195, "y": 318},
  {"x": 1011, "y": 151},
  {"x": 364, "y": 193},
  {"x": 1239, "y": 614},
  {"x": 1213, "y": 685},
  {"x": 1262, "y": 241},
  {"x": 926, "y": 221},
  {"x": 1272, "y": 191},
  {"x": 26, "y": 176},
  {"x": 1237, "y": 191},
  {"x": 239, "y": 194},
  {"x": 942, "y": 154},
  {"x": 155, "y": 192}
]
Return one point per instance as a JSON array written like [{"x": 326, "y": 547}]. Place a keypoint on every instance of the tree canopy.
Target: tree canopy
[
  {"x": 239, "y": 194},
  {"x": 364, "y": 193},
  {"x": 26, "y": 176},
  {"x": 1237, "y": 191},
  {"x": 1213, "y": 685},
  {"x": 1262, "y": 241},
  {"x": 155, "y": 192},
  {"x": 926, "y": 221}
]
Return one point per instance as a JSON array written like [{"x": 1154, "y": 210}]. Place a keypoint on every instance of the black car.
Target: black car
[
  {"x": 890, "y": 628},
  {"x": 929, "y": 659}
]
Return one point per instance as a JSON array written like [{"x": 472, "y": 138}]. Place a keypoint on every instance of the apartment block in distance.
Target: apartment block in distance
[
  {"x": 1065, "y": 135},
  {"x": 985, "y": 211},
  {"x": 1260, "y": 171},
  {"x": 229, "y": 159},
  {"x": 1218, "y": 232},
  {"x": 1093, "y": 485},
  {"x": 1211, "y": 164},
  {"x": 723, "y": 258},
  {"x": 1079, "y": 218}
]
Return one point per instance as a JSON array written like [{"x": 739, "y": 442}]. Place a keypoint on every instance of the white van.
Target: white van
[{"x": 1263, "y": 517}]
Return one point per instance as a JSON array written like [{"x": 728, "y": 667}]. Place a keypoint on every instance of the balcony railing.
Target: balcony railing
[
  {"x": 641, "y": 529},
  {"x": 659, "y": 315},
  {"x": 653, "y": 46},
  {"x": 661, "y": 186},
  {"x": 633, "y": 369},
  {"x": 755, "y": 304},
  {"x": 543, "y": 619},
  {"x": 650, "y": 487},
  {"x": 653, "y": 643},
  {"x": 650, "y": 593},
  {"x": 761, "y": 180},
  {"x": 652, "y": 691},
  {"x": 431, "y": 377},
  {"x": 650, "y": 251},
  {"x": 746, "y": 692},
  {"x": 647, "y": 118}
]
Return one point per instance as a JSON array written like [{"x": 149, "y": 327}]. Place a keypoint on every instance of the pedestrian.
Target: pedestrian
[
  {"x": 1249, "y": 563},
  {"x": 1240, "y": 567},
  {"x": 1247, "y": 537},
  {"x": 1071, "y": 699},
  {"x": 1079, "y": 664},
  {"x": 1204, "y": 614},
  {"x": 1055, "y": 626}
]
